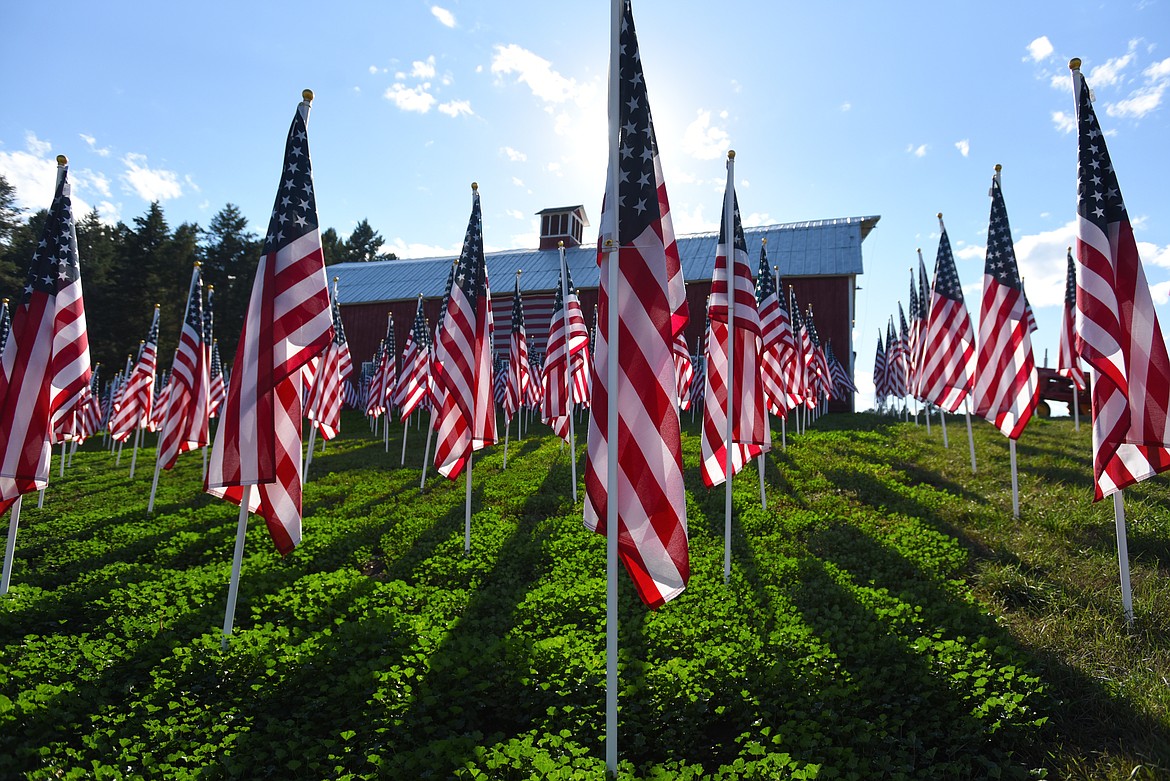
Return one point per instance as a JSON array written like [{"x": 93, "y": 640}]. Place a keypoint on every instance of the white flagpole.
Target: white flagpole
[
  {"x": 611, "y": 433},
  {"x": 229, "y": 617},
  {"x": 41, "y": 499},
  {"x": 942, "y": 418},
  {"x": 309, "y": 457},
  {"x": 970, "y": 436},
  {"x": 1123, "y": 555},
  {"x": 133, "y": 458},
  {"x": 507, "y": 431},
  {"x": 203, "y": 477},
  {"x": 568, "y": 368},
  {"x": 427, "y": 451},
  {"x": 1015, "y": 480},
  {"x": 467, "y": 509},
  {"x": 61, "y": 468},
  {"x": 926, "y": 409},
  {"x": 405, "y": 428},
  {"x": 170, "y": 396},
  {"x": 763, "y": 497},
  {"x": 10, "y": 546},
  {"x": 728, "y": 239},
  {"x": 1076, "y": 409},
  {"x": 784, "y": 431}
]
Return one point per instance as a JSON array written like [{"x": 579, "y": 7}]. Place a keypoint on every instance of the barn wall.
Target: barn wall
[{"x": 365, "y": 324}]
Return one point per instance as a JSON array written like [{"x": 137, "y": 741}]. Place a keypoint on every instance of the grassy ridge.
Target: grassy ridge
[{"x": 886, "y": 618}]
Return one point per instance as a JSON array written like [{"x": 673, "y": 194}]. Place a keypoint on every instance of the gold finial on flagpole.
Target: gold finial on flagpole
[
  {"x": 336, "y": 279},
  {"x": 62, "y": 160},
  {"x": 1074, "y": 64},
  {"x": 474, "y": 186},
  {"x": 730, "y": 154},
  {"x": 561, "y": 244},
  {"x": 307, "y": 95}
]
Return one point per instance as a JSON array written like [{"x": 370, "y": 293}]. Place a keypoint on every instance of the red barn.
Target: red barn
[{"x": 820, "y": 259}]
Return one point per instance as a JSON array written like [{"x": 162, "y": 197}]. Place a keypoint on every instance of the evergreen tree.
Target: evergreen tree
[
  {"x": 363, "y": 244},
  {"x": 230, "y": 255},
  {"x": 332, "y": 247},
  {"x": 97, "y": 246}
]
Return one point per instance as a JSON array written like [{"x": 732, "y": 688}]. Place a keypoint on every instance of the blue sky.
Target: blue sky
[{"x": 834, "y": 109}]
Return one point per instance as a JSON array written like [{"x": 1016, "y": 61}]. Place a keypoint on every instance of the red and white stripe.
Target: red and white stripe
[
  {"x": 185, "y": 421},
  {"x": 1118, "y": 333},
  {"x": 287, "y": 324}
]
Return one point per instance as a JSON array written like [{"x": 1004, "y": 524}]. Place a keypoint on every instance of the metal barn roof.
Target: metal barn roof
[{"x": 800, "y": 249}]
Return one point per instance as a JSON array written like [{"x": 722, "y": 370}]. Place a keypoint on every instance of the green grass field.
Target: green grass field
[{"x": 886, "y": 618}]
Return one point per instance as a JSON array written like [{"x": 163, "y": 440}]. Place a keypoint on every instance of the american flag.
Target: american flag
[
  {"x": 1068, "y": 361},
  {"x": 895, "y": 362},
  {"x": 416, "y": 365},
  {"x": 499, "y": 380},
  {"x": 907, "y": 352},
  {"x": 565, "y": 357},
  {"x": 518, "y": 375},
  {"x": 684, "y": 370},
  {"x": 185, "y": 424},
  {"x": 805, "y": 383},
  {"x": 466, "y": 418},
  {"x": 159, "y": 405},
  {"x": 913, "y": 337},
  {"x": 217, "y": 391},
  {"x": 373, "y": 392},
  {"x": 1118, "y": 333},
  {"x": 323, "y": 405},
  {"x": 387, "y": 380},
  {"x": 923, "y": 318},
  {"x": 45, "y": 367},
  {"x": 786, "y": 350},
  {"x": 136, "y": 403},
  {"x": 1006, "y": 389},
  {"x": 881, "y": 378},
  {"x": 91, "y": 412},
  {"x": 535, "y": 381},
  {"x": 773, "y": 324},
  {"x": 842, "y": 382},
  {"x": 735, "y": 389},
  {"x": 949, "y": 345},
  {"x": 5, "y": 326},
  {"x": 649, "y": 495},
  {"x": 287, "y": 324},
  {"x": 824, "y": 381}
]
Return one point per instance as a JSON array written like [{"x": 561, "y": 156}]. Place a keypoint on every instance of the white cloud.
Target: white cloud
[
  {"x": 410, "y": 99},
  {"x": 92, "y": 142},
  {"x": 36, "y": 146},
  {"x": 917, "y": 151},
  {"x": 1160, "y": 292},
  {"x": 445, "y": 17},
  {"x": 150, "y": 184},
  {"x": 423, "y": 69},
  {"x": 32, "y": 178},
  {"x": 373, "y": 70},
  {"x": 1110, "y": 72},
  {"x": 554, "y": 168},
  {"x": 454, "y": 108},
  {"x": 517, "y": 181},
  {"x": 1153, "y": 255},
  {"x": 846, "y": 106},
  {"x": 702, "y": 141},
  {"x": 1147, "y": 97},
  {"x": 512, "y": 154},
  {"x": 1065, "y": 123},
  {"x": 537, "y": 72},
  {"x": 964, "y": 147},
  {"x": 1040, "y": 49},
  {"x": 515, "y": 214},
  {"x": 93, "y": 180},
  {"x": 1043, "y": 262}
]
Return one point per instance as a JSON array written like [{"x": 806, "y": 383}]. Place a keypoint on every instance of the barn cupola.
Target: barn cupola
[{"x": 564, "y": 223}]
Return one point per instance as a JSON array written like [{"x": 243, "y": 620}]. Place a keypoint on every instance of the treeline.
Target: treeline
[{"x": 127, "y": 269}]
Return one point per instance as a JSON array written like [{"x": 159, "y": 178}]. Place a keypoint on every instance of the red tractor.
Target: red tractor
[{"x": 1053, "y": 387}]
